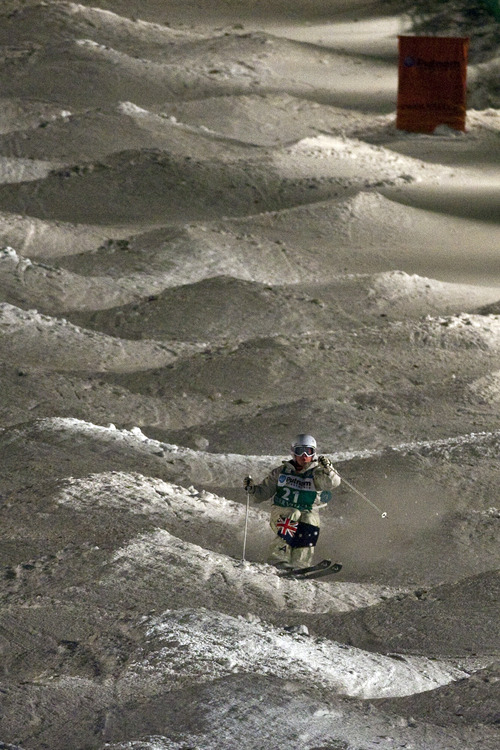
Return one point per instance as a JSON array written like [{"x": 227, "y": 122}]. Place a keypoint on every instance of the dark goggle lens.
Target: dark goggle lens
[{"x": 303, "y": 450}]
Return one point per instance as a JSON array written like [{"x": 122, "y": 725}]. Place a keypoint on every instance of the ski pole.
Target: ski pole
[
  {"x": 382, "y": 513},
  {"x": 246, "y": 525}
]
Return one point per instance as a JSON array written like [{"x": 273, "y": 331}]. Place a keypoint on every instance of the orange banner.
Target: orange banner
[{"x": 432, "y": 83}]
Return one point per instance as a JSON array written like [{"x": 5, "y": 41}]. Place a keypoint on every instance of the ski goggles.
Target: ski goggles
[{"x": 303, "y": 450}]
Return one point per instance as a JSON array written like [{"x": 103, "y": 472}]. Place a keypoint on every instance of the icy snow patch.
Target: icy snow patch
[
  {"x": 14, "y": 170},
  {"x": 61, "y": 343},
  {"x": 140, "y": 495},
  {"x": 9, "y": 253},
  {"x": 463, "y": 331},
  {"x": 487, "y": 388},
  {"x": 219, "y": 469},
  {"x": 202, "y": 646},
  {"x": 351, "y": 149},
  {"x": 114, "y": 21},
  {"x": 193, "y": 573},
  {"x": 347, "y": 161},
  {"x": 131, "y": 109}
]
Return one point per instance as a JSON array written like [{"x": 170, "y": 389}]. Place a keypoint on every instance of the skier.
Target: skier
[{"x": 298, "y": 488}]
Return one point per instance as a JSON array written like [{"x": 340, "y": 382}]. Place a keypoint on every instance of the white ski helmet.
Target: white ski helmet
[{"x": 304, "y": 440}]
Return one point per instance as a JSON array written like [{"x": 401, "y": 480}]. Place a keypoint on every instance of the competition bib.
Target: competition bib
[{"x": 295, "y": 492}]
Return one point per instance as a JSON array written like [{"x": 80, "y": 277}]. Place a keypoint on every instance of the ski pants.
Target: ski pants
[{"x": 279, "y": 550}]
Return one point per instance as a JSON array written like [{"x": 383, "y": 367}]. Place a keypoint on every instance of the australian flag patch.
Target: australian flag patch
[
  {"x": 297, "y": 533},
  {"x": 287, "y": 528}
]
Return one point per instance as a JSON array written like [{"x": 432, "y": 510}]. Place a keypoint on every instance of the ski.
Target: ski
[
  {"x": 333, "y": 568},
  {"x": 323, "y": 568}
]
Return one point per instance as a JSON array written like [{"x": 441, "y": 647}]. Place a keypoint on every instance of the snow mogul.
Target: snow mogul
[{"x": 298, "y": 488}]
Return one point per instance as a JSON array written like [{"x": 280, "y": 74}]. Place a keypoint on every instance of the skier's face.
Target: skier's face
[{"x": 302, "y": 459}]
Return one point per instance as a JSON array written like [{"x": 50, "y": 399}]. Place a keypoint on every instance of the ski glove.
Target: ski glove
[
  {"x": 249, "y": 485},
  {"x": 326, "y": 464}
]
